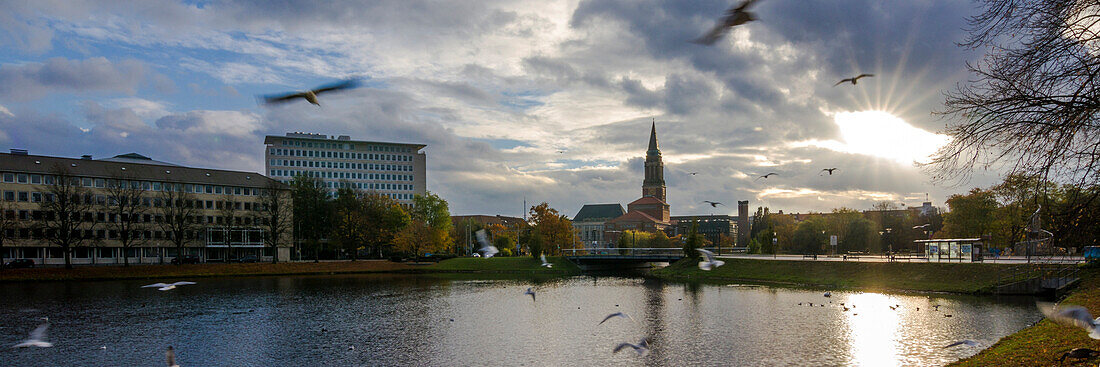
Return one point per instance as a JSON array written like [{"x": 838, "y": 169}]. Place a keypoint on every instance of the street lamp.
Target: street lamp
[{"x": 775, "y": 245}]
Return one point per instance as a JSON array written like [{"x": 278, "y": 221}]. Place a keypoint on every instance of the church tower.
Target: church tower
[{"x": 654, "y": 184}]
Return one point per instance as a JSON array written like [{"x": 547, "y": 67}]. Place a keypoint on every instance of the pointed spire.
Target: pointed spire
[{"x": 653, "y": 136}]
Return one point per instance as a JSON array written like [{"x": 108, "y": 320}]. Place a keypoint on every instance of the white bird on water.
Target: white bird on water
[
  {"x": 709, "y": 262},
  {"x": 487, "y": 249},
  {"x": 544, "y": 263},
  {"x": 642, "y": 347},
  {"x": 1071, "y": 316},
  {"x": 170, "y": 355},
  {"x": 614, "y": 315},
  {"x": 165, "y": 286},
  {"x": 37, "y": 337},
  {"x": 530, "y": 291}
]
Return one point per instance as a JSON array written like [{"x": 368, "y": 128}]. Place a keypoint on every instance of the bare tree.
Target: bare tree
[
  {"x": 177, "y": 211},
  {"x": 125, "y": 209},
  {"x": 67, "y": 213},
  {"x": 1034, "y": 104},
  {"x": 8, "y": 226},
  {"x": 275, "y": 215},
  {"x": 228, "y": 212}
]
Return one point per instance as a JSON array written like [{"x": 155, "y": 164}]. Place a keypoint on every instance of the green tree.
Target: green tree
[
  {"x": 971, "y": 215},
  {"x": 809, "y": 238},
  {"x": 693, "y": 242},
  {"x": 434, "y": 212},
  {"x": 383, "y": 220},
  {"x": 348, "y": 221}
]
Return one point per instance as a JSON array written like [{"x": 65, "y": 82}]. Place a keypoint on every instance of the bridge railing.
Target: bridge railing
[{"x": 656, "y": 251}]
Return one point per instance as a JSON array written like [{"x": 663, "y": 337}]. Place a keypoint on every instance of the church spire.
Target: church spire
[
  {"x": 653, "y": 138},
  {"x": 654, "y": 183}
]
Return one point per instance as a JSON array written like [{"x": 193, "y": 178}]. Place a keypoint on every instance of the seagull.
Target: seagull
[
  {"x": 852, "y": 80},
  {"x": 713, "y": 204},
  {"x": 614, "y": 315},
  {"x": 693, "y": 173},
  {"x": 166, "y": 287},
  {"x": 767, "y": 175},
  {"x": 641, "y": 347},
  {"x": 1079, "y": 353},
  {"x": 967, "y": 342},
  {"x": 544, "y": 263},
  {"x": 488, "y": 249},
  {"x": 1071, "y": 316},
  {"x": 830, "y": 170},
  {"x": 709, "y": 261},
  {"x": 893, "y": 307},
  {"x": 828, "y": 294},
  {"x": 311, "y": 95},
  {"x": 37, "y": 338},
  {"x": 926, "y": 225},
  {"x": 531, "y": 292},
  {"x": 734, "y": 17},
  {"x": 170, "y": 355}
]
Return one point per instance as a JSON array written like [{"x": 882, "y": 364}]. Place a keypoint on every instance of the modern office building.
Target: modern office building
[
  {"x": 713, "y": 227},
  {"x": 392, "y": 169},
  {"x": 211, "y": 195}
]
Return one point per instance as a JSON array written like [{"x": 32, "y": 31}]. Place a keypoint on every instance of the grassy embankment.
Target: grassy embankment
[
  {"x": 496, "y": 265},
  {"x": 898, "y": 276},
  {"x": 1041, "y": 343}
]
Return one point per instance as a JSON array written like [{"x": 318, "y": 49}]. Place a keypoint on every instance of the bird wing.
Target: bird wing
[
  {"x": 277, "y": 98},
  {"x": 624, "y": 345},
  {"x": 863, "y": 75},
  {"x": 842, "y": 81},
  {"x": 1070, "y": 315},
  {"x": 611, "y": 316},
  {"x": 183, "y": 283},
  {"x": 156, "y": 285},
  {"x": 482, "y": 238},
  {"x": 709, "y": 255},
  {"x": 711, "y": 36},
  {"x": 744, "y": 5},
  {"x": 39, "y": 333},
  {"x": 543, "y": 258},
  {"x": 346, "y": 84}
]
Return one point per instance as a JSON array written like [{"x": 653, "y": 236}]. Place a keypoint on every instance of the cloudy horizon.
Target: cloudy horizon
[{"x": 496, "y": 89}]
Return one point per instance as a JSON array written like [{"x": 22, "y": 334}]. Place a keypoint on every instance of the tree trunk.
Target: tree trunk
[
  {"x": 274, "y": 254},
  {"x": 68, "y": 258}
]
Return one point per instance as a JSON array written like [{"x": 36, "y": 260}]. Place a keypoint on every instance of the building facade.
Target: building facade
[
  {"x": 590, "y": 223},
  {"x": 650, "y": 213},
  {"x": 225, "y": 211},
  {"x": 713, "y": 227},
  {"x": 396, "y": 170}
]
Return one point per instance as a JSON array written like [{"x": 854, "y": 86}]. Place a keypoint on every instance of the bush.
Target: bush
[{"x": 506, "y": 252}]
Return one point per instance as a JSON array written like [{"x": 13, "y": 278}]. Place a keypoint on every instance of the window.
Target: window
[
  {"x": 9, "y": 195},
  {"x": 36, "y": 179},
  {"x": 36, "y": 197},
  {"x": 9, "y": 177},
  {"x": 87, "y": 182},
  {"x": 217, "y": 189},
  {"x": 24, "y": 196},
  {"x": 21, "y": 178}
]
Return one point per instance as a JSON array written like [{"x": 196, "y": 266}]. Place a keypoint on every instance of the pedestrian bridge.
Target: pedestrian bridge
[{"x": 622, "y": 257}]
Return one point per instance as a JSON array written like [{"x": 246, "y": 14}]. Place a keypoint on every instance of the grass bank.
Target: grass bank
[
  {"x": 200, "y": 270},
  {"x": 1042, "y": 343},
  {"x": 928, "y": 277},
  {"x": 506, "y": 265}
]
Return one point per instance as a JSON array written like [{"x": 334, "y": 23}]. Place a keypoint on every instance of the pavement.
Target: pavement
[{"x": 883, "y": 258}]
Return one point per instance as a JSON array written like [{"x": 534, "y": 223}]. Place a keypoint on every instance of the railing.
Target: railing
[
  {"x": 1058, "y": 274},
  {"x": 625, "y": 251}
]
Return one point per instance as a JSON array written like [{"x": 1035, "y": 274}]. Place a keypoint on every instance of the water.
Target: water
[{"x": 395, "y": 320}]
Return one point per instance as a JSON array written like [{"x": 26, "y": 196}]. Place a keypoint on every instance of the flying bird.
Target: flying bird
[
  {"x": 1071, "y": 316},
  {"x": 830, "y": 170},
  {"x": 1079, "y": 353},
  {"x": 852, "y": 80},
  {"x": 768, "y": 175},
  {"x": 926, "y": 225},
  {"x": 487, "y": 249},
  {"x": 693, "y": 173},
  {"x": 734, "y": 17},
  {"x": 544, "y": 263},
  {"x": 170, "y": 355},
  {"x": 311, "y": 95},
  {"x": 531, "y": 292},
  {"x": 166, "y": 287},
  {"x": 709, "y": 262},
  {"x": 967, "y": 342},
  {"x": 614, "y": 315},
  {"x": 713, "y": 204},
  {"x": 642, "y": 347},
  {"x": 37, "y": 337}
]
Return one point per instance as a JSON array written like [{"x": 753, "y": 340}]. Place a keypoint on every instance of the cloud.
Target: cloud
[{"x": 59, "y": 75}]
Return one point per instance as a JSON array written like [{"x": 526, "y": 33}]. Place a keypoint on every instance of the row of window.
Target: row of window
[
  {"x": 341, "y": 165},
  {"x": 10, "y": 177},
  {"x": 101, "y": 217},
  {"x": 342, "y": 175},
  {"x": 340, "y": 155},
  {"x": 214, "y": 237},
  {"x": 98, "y": 252},
  {"x": 347, "y": 146}
]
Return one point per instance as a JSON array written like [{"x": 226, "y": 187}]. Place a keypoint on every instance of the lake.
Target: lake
[{"x": 405, "y": 320}]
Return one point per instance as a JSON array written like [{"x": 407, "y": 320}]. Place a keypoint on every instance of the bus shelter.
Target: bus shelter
[{"x": 952, "y": 250}]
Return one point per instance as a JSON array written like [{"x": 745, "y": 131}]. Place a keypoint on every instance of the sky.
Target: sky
[{"x": 496, "y": 89}]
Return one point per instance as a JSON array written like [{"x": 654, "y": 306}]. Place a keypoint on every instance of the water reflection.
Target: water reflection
[{"x": 406, "y": 320}]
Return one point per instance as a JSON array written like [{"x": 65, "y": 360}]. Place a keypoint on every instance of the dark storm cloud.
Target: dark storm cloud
[{"x": 60, "y": 75}]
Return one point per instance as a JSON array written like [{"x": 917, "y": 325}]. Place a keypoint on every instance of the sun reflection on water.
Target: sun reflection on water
[{"x": 874, "y": 330}]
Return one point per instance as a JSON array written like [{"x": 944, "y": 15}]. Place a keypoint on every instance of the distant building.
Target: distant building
[
  {"x": 396, "y": 170},
  {"x": 590, "y": 223},
  {"x": 710, "y": 226},
  {"x": 744, "y": 229},
  {"x": 25, "y": 182}
]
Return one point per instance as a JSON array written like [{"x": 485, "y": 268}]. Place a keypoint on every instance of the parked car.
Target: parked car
[
  {"x": 247, "y": 259},
  {"x": 20, "y": 263},
  {"x": 186, "y": 259}
]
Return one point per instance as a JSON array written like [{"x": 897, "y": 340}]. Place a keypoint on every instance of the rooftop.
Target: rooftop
[
  {"x": 130, "y": 165},
  {"x": 599, "y": 211}
]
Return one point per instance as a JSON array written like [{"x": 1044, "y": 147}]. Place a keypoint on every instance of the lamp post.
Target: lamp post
[{"x": 775, "y": 246}]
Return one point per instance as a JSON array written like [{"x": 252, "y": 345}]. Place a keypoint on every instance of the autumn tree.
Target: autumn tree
[
  {"x": 434, "y": 213},
  {"x": 125, "y": 210},
  {"x": 67, "y": 221},
  {"x": 556, "y": 229},
  {"x": 384, "y": 219},
  {"x": 176, "y": 213},
  {"x": 693, "y": 242}
]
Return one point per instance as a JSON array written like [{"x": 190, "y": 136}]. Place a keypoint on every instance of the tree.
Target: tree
[
  {"x": 693, "y": 242},
  {"x": 384, "y": 219},
  {"x": 275, "y": 215},
  {"x": 229, "y": 213},
  {"x": 311, "y": 211},
  {"x": 177, "y": 212},
  {"x": 809, "y": 238},
  {"x": 433, "y": 211},
  {"x": 8, "y": 226},
  {"x": 67, "y": 221},
  {"x": 556, "y": 230},
  {"x": 1032, "y": 103},
  {"x": 504, "y": 241},
  {"x": 348, "y": 221},
  {"x": 971, "y": 215},
  {"x": 125, "y": 209}
]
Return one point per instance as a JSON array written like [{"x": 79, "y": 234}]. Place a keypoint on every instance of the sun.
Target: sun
[{"x": 880, "y": 134}]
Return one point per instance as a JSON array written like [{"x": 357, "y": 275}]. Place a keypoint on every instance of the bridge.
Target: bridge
[{"x": 621, "y": 257}]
